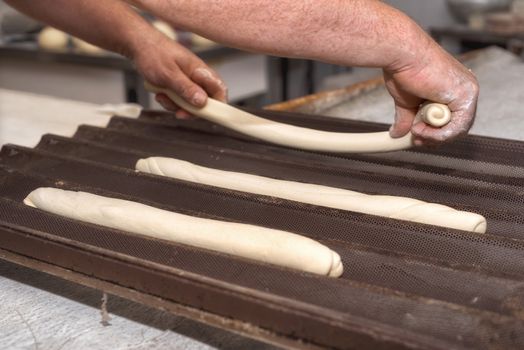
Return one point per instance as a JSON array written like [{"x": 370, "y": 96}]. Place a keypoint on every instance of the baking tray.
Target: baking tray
[{"x": 406, "y": 285}]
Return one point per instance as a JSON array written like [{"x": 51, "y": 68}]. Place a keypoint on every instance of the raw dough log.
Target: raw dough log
[
  {"x": 53, "y": 39},
  {"x": 200, "y": 41},
  {"x": 435, "y": 114},
  {"x": 130, "y": 110},
  {"x": 85, "y": 47},
  {"x": 388, "y": 206},
  {"x": 248, "y": 241},
  {"x": 165, "y": 29},
  {"x": 289, "y": 135}
]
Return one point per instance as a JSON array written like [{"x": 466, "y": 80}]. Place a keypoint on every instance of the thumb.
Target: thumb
[{"x": 404, "y": 118}]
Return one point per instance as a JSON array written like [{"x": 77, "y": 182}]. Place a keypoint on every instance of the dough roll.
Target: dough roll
[
  {"x": 248, "y": 241},
  {"x": 402, "y": 208},
  {"x": 289, "y": 135}
]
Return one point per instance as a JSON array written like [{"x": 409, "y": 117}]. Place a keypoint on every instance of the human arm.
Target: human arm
[
  {"x": 115, "y": 26},
  {"x": 346, "y": 32}
]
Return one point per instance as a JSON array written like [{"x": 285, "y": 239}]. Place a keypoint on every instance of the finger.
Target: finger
[
  {"x": 169, "y": 105},
  {"x": 461, "y": 122},
  {"x": 213, "y": 85},
  {"x": 166, "y": 102},
  {"x": 404, "y": 118},
  {"x": 463, "y": 109},
  {"x": 449, "y": 132},
  {"x": 187, "y": 89},
  {"x": 419, "y": 142}
]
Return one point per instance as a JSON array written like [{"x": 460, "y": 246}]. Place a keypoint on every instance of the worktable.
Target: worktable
[{"x": 47, "y": 313}]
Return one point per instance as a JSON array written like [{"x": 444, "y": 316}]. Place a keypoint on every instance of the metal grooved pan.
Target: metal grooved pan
[{"x": 405, "y": 285}]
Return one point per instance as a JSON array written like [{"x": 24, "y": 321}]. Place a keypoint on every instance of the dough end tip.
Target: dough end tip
[
  {"x": 337, "y": 268},
  {"x": 29, "y": 202},
  {"x": 481, "y": 226},
  {"x": 141, "y": 165}
]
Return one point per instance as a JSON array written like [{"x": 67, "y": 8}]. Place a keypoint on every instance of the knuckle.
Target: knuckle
[
  {"x": 472, "y": 86},
  {"x": 186, "y": 90},
  {"x": 182, "y": 89}
]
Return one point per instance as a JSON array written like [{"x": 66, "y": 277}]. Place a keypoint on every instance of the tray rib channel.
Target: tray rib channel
[
  {"x": 406, "y": 285},
  {"x": 472, "y": 147},
  {"x": 499, "y": 207}
]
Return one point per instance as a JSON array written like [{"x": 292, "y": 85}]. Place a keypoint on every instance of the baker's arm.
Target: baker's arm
[
  {"x": 115, "y": 26},
  {"x": 346, "y": 32}
]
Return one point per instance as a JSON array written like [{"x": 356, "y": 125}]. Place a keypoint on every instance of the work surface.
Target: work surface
[
  {"x": 47, "y": 313},
  {"x": 42, "y": 312}
]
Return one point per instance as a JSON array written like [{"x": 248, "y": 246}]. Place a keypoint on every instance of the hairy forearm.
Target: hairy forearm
[
  {"x": 347, "y": 32},
  {"x": 110, "y": 24}
]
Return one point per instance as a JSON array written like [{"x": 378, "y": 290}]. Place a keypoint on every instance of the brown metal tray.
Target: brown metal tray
[{"x": 406, "y": 285}]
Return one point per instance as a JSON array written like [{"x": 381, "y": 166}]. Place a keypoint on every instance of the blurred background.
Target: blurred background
[{"x": 31, "y": 61}]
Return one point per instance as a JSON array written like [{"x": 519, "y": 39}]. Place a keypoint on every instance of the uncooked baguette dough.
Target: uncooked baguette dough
[
  {"x": 388, "y": 206},
  {"x": 165, "y": 29},
  {"x": 435, "y": 114},
  {"x": 289, "y": 135},
  {"x": 200, "y": 41},
  {"x": 130, "y": 110},
  {"x": 53, "y": 39},
  {"x": 248, "y": 241},
  {"x": 85, "y": 47}
]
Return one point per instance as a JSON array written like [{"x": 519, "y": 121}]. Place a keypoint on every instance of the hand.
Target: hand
[
  {"x": 436, "y": 77},
  {"x": 169, "y": 65}
]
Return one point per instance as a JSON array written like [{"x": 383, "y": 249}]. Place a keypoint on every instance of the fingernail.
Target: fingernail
[
  {"x": 204, "y": 73},
  {"x": 199, "y": 98}
]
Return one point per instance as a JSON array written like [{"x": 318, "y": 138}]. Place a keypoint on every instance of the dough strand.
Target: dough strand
[
  {"x": 402, "y": 208},
  {"x": 252, "y": 242},
  {"x": 289, "y": 135}
]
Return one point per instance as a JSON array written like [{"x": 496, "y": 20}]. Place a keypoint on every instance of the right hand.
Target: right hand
[
  {"x": 169, "y": 65},
  {"x": 434, "y": 76}
]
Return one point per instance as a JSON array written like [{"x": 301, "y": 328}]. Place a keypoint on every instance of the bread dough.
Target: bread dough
[
  {"x": 165, "y": 29},
  {"x": 248, "y": 241},
  {"x": 289, "y": 135},
  {"x": 435, "y": 114},
  {"x": 130, "y": 110},
  {"x": 402, "y": 208},
  {"x": 53, "y": 39},
  {"x": 200, "y": 41},
  {"x": 85, "y": 47}
]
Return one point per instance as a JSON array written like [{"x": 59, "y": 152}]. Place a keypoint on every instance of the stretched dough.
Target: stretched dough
[
  {"x": 53, "y": 39},
  {"x": 200, "y": 41},
  {"x": 248, "y": 241},
  {"x": 388, "y": 206},
  {"x": 85, "y": 47},
  {"x": 165, "y": 29},
  {"x": 435, "y": 114},
  {"x": 289, "y": 135}
]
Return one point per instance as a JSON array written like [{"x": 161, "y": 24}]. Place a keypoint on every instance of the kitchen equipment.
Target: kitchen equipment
[
  {"x": 405, "y": 285},
  {"x": 463, "y": 10}
]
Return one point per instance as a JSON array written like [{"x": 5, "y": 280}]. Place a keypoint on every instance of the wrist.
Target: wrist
[
  {"x": 147, "y": 40},
  {"x": 414, "y": 47}
]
